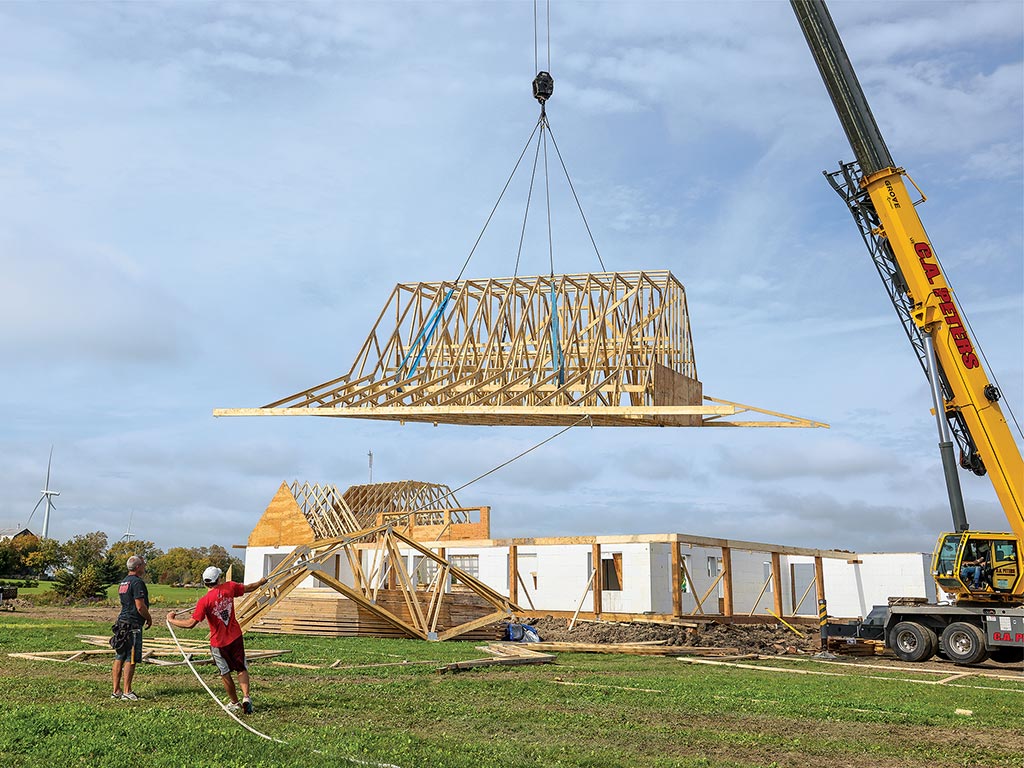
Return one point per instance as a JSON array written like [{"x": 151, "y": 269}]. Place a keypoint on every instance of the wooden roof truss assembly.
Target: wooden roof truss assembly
[
  {"x": 326, "y": 510},
  {"x": 376, "y": 501},
  {"x": 604, "y": 349},
  {"x": 385, "y": 570}
]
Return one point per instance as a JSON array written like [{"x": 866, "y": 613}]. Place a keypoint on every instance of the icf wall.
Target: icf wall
[
  {"x": 262, "y": 560},
  {"x": 556, "y": 576},
  {"x": 853, "y": 587}
]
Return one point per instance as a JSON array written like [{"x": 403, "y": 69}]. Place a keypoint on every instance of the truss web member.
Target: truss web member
[
  {"x": 127, "y": 640},
  {"x": 217, "y": 607}
]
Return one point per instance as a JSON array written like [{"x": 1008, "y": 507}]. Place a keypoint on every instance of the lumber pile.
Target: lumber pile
[
  {"x": 325, "y": 613},
  {"x": 655, "y": 648},
  {"x": 853, "y": 646},
  {"x": 160, "y": 651}
]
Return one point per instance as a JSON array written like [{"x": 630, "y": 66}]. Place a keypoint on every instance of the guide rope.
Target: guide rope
[{"x": 188, "y": 660}]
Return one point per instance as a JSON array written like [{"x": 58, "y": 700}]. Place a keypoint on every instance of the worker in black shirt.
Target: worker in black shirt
[{"x": 134, "y": 613}]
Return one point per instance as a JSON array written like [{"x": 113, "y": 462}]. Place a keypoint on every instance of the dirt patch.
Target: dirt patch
[
  {"x": 98, "y": 612},
  {"x": 772, "y": 639}
]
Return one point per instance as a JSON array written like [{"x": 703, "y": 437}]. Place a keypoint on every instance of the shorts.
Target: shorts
[
  {"x": 230, "y": 658},
  {"x": 133, "y": 652}
]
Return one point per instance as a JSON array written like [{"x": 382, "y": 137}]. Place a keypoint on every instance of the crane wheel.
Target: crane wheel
[
  {"x": 964, "y": 643},
  {"x": 911, "y": 641}
]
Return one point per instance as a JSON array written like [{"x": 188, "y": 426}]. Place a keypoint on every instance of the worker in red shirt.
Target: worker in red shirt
[{"x": 217, "y": 607}]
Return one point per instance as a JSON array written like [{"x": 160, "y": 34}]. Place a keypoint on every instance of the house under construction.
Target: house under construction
[{"x": 406, "y": 559}]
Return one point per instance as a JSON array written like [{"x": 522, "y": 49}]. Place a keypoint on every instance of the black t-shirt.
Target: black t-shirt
[{"x": 129, "y": 591}]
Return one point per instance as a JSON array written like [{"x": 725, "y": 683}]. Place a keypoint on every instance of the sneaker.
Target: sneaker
[
  {"x": 129, "y": 696},
  {"x": 247, "y": 706},
  {"x": 234, "y": 706},
  {"x": 116, "y": 695}
]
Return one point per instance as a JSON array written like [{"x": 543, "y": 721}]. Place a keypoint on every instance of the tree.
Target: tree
[
  {"x": 46, "y": 555},
  {"x": 84, "y": 584},
  {"x": 10, "y": 559},
  {"x": 238, "y": 574},
  {"x": 174, "y": 566},
  {"x": 120, "y": 551},
  {"x": 86, "y": 549}
]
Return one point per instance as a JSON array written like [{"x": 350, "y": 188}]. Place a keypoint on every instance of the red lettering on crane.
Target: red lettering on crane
[
  {"x": 956, "y": 327},
  {"x": 924, "y": 253}
]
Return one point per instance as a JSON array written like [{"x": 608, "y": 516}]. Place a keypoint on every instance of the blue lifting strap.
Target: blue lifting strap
[
  {"x": 556, "y": 348},
  {"x": 419, "y": 346}
]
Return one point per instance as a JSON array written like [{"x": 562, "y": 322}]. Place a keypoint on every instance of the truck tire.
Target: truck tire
[
  {"x": 911, "y": 641},
  {"x": 964, "y": 643},
  {"x": 1007, "y": 655}
]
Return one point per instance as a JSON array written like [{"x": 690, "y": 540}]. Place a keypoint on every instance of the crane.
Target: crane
[{"x": 986, "y": 615}]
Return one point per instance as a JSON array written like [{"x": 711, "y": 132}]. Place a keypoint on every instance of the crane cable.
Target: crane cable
[{"x": 543, "y": 86}]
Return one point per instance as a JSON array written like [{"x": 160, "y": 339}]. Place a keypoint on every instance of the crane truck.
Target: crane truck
[{"x": 984, "y": 615}]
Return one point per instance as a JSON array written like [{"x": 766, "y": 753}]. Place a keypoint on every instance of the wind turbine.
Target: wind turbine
[
  {"x": 128, "y": 533},
  {"x": 47, "y": 496}
]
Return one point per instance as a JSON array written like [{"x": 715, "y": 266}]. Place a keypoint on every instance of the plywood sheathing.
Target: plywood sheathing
[
  {"x": 282, "y": 523},
  {"x": 607, "y": 349}
]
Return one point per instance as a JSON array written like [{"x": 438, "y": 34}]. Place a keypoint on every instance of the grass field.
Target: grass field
[
  {"x": 689, "y": 715},
  {"x": 159, "y": 594}
]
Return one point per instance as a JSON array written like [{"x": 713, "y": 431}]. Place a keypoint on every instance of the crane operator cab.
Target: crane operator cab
[{"x": 977, "y": 565}]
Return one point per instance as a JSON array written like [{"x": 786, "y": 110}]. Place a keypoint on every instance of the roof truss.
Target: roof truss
[{"x": 608, "y": 349}]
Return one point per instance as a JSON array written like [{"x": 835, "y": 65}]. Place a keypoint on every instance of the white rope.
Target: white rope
[{"x": 188, "y": 660}]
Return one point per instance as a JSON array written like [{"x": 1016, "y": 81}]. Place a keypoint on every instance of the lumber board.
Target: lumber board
[
  {"x": 634, "y": 649},
  {"x": 499, "y": 661}
]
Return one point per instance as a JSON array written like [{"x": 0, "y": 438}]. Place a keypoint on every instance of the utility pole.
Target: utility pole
[{"x": 369, "y": 456}]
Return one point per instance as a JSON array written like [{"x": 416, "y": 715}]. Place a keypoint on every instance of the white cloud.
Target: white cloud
[{"x": 218, "y": 199}]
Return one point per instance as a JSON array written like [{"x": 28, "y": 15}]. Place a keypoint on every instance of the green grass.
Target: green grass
[
  {"x": 699, "y": 715},
  {"x": 159, "y": 594}
]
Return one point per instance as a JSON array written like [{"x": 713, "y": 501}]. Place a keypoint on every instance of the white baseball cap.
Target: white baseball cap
[{"x": 212, "y": 575}]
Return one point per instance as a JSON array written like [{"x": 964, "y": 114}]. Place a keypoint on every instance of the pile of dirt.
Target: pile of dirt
[{"x": 770, "y": 639}]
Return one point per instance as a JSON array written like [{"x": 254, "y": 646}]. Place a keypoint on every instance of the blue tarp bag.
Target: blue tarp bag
[{"x": 522, "y": 633}]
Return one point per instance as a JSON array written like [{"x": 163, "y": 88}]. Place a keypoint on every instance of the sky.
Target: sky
[{"x": 205, "y": 205}]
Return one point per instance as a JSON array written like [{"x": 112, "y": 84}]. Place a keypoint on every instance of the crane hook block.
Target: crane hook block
[{"x": 543, "y": 87}]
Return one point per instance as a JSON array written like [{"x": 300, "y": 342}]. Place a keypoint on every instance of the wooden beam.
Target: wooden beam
[
  {"x": 727, "y": 593},
  {"x": 819, "y": 579},
  {"x": 674, "y": 582},
  {"x": 469, "y": 626},
  {"x": 513, "y": 573},
  {"x": 777, "y": 586},
  {"x": 598, "y": 576}
]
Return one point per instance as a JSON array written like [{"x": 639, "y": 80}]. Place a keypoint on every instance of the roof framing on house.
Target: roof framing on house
[{"x": 605, "y": 349}]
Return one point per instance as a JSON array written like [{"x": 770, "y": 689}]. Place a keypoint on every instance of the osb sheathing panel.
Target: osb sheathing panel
[{"x": 282, "y": 524}]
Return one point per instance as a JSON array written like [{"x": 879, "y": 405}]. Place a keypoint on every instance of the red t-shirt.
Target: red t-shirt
[{"x": 218, "y": 608}]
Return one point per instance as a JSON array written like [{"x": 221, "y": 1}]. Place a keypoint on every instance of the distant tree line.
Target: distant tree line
[{"x": 84, "y": 566}]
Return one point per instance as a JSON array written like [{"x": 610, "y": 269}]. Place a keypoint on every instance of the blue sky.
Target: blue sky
[{"x": 206, "y": 205}]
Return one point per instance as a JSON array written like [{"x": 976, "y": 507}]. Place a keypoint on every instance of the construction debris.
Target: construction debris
[
  {"x": 772, "y": 639},
  {"x": 635, "y": 649},
  {"x": 156, "y": 652}
]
